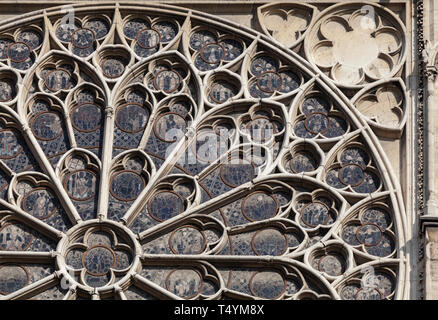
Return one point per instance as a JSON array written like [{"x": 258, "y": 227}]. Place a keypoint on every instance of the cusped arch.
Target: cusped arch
[{"x": 255, "y": 186}]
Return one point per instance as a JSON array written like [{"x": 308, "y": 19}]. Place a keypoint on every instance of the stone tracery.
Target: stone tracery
[{"x": 154, "y": 135}]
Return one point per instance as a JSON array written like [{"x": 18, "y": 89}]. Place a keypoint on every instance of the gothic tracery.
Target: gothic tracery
[{"x": 150, "y": 153}]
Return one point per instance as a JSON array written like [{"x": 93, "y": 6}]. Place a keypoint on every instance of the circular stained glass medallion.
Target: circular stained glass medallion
[
  {"x": 317, "y": 123},
  {"x": 187, "y": 240},
  {"x": 132, "y": 117},
  {"x": 12, "y": 278},
  {"x": 222, "y": 91},
  {"x": 167, "y": 81},
  {"x": 58, "y": 79},
  {"x": 261, "y": 129},
  {"x": 315, "y": 213},
  {"x": 369, "y": 234},
  {"x": 185, "y": 283},
  {"x": 212, "y": 53},
  {"x": 303, "y": 162},
  {"x": 112, "y": 67},
  {"x": 81, "y": 185},
  {"x": 267, "y": 285},
  {"x": 18, "y": 51},
  {"x": 259, "y": 206},
  {"x": 47, "y": 126},
  {"x": 98, "y": 260},
  {"x": 269, "y": 81},
  {"x": 165, "y": 205},
  {"x": 269, "y": 242},
  {"x": 86, "y": 117},
  {"x": 7, "y": 90},
  {"x": 333, "y": 265},
  {"x": 40, "y": 203},
  {"x": 352, "y": 175},
  {"x": 127, "y": 185}
]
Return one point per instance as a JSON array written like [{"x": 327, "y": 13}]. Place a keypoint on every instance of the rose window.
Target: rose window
[{"x": 150, "y": 153}]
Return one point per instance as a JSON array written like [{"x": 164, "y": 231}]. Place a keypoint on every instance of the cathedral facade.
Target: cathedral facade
[{"x": 219, "y": 150}]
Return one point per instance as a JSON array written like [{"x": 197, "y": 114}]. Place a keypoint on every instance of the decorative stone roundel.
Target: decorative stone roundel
[
  {"x": 356, "y": 44},
  {"x": 269, "y": 242},
  {"x": 165, "y": 154},
  {"x": 83, "y": 38}
]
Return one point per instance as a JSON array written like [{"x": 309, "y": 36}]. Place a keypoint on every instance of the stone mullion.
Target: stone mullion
[
  {"x": 70, "y": 131},
  {"x": 107, "y": 151},
  {"x": 26, "y": 257}
]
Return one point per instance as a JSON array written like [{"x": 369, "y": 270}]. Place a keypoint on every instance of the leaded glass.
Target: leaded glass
[{"x": 165, "y": 158}]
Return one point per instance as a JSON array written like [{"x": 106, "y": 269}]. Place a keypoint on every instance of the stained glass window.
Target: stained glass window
[{"x": 149, "y": 153}]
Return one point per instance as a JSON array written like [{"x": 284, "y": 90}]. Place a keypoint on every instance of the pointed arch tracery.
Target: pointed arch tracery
[{"x": 198, "y": 160}]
